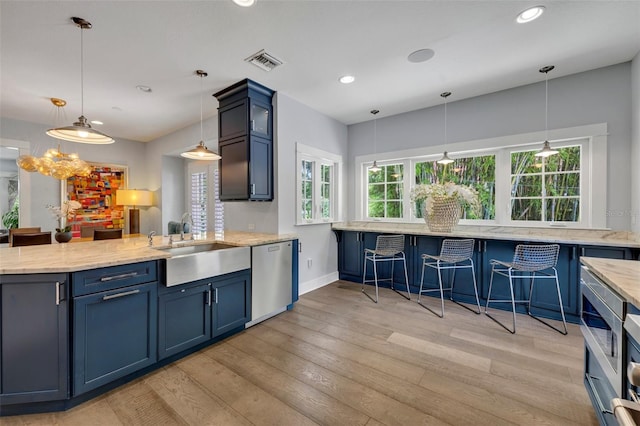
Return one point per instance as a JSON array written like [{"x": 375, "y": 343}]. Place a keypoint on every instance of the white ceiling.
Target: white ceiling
[{"x": 479, "y": 48}]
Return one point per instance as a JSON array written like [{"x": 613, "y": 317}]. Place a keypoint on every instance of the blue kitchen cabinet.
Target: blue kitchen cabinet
[
  {"x": 34, "y": 366},
  {"x": 197, "y": 312},
  {"x": 184, "y": 317},
  {"x": 245, "y": 141},
  {"x": 231, "y": 302},
  {"x": 350, "y": 255},
  {"x": 115, "y": 326}
]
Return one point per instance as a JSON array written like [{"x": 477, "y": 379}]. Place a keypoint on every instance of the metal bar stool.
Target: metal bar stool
[
  {"x": 529, "y": 261},
  {"x": 454, "y": 254},
  {"x": 389, "y": 248}
]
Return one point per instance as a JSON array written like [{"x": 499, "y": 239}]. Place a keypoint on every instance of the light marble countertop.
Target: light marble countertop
[
  {"x": 623, "y": 276},
  {"x": 547, "y": 235},
  {"x": 82, "y": 255}
]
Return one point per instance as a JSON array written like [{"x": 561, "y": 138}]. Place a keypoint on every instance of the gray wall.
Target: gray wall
[
  {"x": 597, "y": 96},
  {"x": 296, "y": 122},
  {"x": 43, "y": 190},
  {"x": 635, "y": 144}
]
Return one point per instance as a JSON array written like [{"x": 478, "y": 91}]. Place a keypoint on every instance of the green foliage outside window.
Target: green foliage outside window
[
  {"x": 546, "y": 189},
  {"x": 385, "y": 192},
  {"x": 476, "y": 172}
]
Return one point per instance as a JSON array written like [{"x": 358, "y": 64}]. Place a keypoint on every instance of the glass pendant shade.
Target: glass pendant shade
[
  {"x": 81, "y": 132},
  {"x": 201, "y": 152},
  {"x": 54, "y": 163},
  {"x": 375, "y": 167}
]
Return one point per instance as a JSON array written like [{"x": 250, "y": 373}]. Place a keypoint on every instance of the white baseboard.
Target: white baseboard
[{"x": 316, "y": 283}]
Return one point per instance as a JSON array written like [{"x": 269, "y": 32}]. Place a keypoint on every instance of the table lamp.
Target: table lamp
[{"x": 134, "y": 198}]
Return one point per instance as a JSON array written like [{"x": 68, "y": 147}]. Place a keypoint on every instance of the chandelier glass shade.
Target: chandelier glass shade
[
  {"x": 55, "y": 163},
  {"x": 81, "y": 131}
]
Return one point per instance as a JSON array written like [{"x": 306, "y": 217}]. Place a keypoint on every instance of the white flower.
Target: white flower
[
  {"x": 466, "y": 195},
  {"x": 63, "y": 213}
]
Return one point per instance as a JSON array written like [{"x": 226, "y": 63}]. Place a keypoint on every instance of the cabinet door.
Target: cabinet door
[
  {"x": 231, "y": 302},
  {"x": 184, "y": 318},
  {"x": 33, "y": 338},
  {"x": 232, "y": 120},
  {"x": 260, "y": 169},
  {"x": 606, "y": 252},
  {"x": 234, "y": 169},
  {"x": 260, "y": 119},
  {"x": 350, "y": 255},
  {"x": 115, "y": 335}
]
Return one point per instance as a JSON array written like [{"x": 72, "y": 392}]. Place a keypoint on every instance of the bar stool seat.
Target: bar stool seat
[
  {"x": 31, "y": 239},
  {"x": 534, "y": 262},
  {"x": 389, "y": 248},
  {"x": 454, "y": 254},
  {"x": 107, "y": 234}
]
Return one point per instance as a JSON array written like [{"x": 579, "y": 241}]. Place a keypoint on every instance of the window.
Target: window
[
  {"x": 318, "y": 178},
  {"x": 385, "y": 192},
  {"x": 199, "y": 201},
  {"x": 477, "y": 172},
  {"x": 546, "y": 189},
  {"x": 514, "y": 186}
]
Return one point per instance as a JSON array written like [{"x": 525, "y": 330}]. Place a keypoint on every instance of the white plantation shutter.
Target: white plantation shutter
[{"x": 199, "y": 201}]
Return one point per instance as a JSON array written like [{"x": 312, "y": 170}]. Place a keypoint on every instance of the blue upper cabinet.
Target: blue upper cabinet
[{"x": 245, "y": 142}]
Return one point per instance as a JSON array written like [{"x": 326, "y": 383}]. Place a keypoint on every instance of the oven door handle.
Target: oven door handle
[{"x": 601, "y": 406}]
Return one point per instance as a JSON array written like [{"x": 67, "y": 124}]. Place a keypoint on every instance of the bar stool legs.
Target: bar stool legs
[{"x": 388, "y": 249}]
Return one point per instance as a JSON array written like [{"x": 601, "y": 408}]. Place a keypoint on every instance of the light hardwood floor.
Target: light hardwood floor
[{"x": 339, "y": 359}]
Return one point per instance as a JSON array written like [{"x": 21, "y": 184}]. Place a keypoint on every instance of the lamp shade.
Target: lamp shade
[{"x": 134, "y": 197}]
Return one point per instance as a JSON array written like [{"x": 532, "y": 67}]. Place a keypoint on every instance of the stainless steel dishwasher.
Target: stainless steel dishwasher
[{"x": 271, "y": 279}]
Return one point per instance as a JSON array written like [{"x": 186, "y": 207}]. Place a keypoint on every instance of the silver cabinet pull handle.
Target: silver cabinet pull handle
[
  {"x": 216, "y": 296},
  {"x": 209, "y": 297},
  {"x": 126, "y": 293},
  {"x": 57, "y": 293},
  {"x": 253, "y": 189},
  {"x": 118, "y": 277}
]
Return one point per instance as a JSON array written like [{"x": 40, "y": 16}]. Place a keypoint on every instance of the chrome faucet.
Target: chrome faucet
[
  {"x": 183, "y": 220},
  {"x": 150, "y": 236}
]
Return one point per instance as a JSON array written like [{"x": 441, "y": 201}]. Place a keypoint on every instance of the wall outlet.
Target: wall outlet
[
  {"x": 309, "y": 262},
  {"x": 251, "y": 226}
]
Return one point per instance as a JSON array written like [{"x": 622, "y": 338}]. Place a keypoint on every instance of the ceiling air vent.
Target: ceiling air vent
[{"x": 264, "y": 60}]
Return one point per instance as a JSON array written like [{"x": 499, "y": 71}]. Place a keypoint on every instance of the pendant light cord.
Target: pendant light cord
[
  {"x": 201, "y": 132},
  {"x": 546, "y": 106},
  {"x": 81, "y": 70},
  {"x": 445, "y": 123}
]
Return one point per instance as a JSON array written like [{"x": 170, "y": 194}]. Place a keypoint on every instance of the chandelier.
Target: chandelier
[{"x": 54, "y": 162}]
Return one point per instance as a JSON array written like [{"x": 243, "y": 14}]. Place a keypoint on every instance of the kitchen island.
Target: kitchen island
[{"x": 81, "y": 318}]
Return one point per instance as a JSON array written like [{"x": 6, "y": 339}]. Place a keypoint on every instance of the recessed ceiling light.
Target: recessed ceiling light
[
  {"x": 245, "y": 3},
  {"x": 346, "y": 79},
  {"x": 145, "y": 89},
  {"x": 530, "y": 14},
  {"x": 99, "y": 123},
  {"x": 421, "y": 55}
]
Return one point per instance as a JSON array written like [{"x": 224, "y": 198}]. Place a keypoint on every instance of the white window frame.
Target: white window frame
[
  {"x": 593, "y": 168},
  {"x": 318, "y": 158},
  {"x": 194, "y": 167},
  {"x": 405, "y": 196}
]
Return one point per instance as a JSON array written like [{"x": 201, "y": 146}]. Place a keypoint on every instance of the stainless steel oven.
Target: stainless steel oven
[{"x": 602, "y": 314}]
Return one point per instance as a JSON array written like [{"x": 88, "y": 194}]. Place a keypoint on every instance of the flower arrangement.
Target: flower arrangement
[
  {"x": 465, "y": 195},
  {"x": 64, "y": 214}
]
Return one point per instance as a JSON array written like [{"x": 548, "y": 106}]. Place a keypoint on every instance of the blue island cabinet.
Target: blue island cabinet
[
  {"x": 34, "y": 366},
  {"x": 115, "y": 324},
  {"x": 197, "y": 312}
]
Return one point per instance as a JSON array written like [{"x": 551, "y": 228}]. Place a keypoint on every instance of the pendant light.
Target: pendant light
[
  {"x": 81, "y": 130},
  {"x": 445, "y": 158},
  {"x": 375, "y": 167},
  {"x": 201, "y": 152},
  {"x": 546, "y": 150}
]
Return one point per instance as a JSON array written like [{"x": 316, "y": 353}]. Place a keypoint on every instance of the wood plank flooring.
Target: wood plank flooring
[{"x": 339, "y": 359}]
